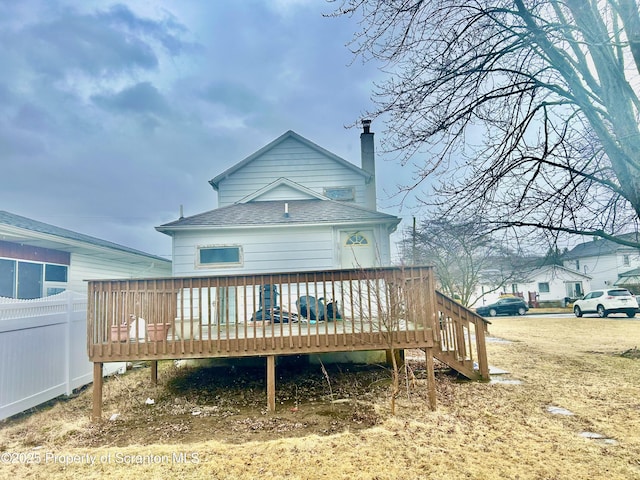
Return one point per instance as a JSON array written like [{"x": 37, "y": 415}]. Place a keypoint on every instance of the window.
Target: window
[
  {"x": 578, "y": 265},
  {"x": 625, "y": 260},
  {"x": 55, "y": 273},
  {"x": 357, "y": 239},
  {"x": 28, "y": 280},
  {"x": 342, "y": 194},
  {"x": 7, "y": 278},
  {"x": 543, "y": 287},
  {"x": 219, "y": 256}
]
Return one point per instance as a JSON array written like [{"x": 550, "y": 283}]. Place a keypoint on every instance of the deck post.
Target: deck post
[
  {"x": 399, "y": 354},
  {"x": 481, "y": 350},
  {"x": 154, "y": 372},
  {"x": 431, "y": 378},
  {"x": 271, "y": 383},
  {"x": 96, "y": 414}
]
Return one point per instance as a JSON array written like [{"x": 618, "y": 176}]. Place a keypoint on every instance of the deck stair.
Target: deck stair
[{"x": 460, "y": 338}]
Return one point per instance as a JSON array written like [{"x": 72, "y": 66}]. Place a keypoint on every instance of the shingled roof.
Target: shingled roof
[
  {"x": 596, "y": 248},
  {"x": 59, "y": 235},
  {"x": 300, "y": 212}
]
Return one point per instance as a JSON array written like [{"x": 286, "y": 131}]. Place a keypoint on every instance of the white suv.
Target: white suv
[{"x": 604, "y": 302}]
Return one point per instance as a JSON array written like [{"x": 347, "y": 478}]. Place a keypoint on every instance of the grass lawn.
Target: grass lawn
[{"x": 588, "y": 366}]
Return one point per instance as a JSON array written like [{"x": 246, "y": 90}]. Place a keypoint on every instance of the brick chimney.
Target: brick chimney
[{"x": 368, "y": 163}]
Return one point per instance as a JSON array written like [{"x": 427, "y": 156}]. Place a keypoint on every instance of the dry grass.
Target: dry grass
[{"x": 480, "y": 431}]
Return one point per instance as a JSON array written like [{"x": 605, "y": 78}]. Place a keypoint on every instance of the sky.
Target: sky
[{"x": 114, "y": 115}]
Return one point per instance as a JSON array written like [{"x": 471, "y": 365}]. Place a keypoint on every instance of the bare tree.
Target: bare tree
[
  {"x": 524, "y": 111},
  {"x": 463, "y": 254}
]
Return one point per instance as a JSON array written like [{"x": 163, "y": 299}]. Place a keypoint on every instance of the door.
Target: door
[{"x": 357, "y": 249}]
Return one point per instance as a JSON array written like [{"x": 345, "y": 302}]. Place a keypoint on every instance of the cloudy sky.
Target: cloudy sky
[{"x": 115, "y": 114}]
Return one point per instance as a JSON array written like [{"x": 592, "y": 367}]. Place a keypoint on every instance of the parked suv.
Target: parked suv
[
  {"x": 604, "y": 302},
  {"x": 504, "y": 306}
]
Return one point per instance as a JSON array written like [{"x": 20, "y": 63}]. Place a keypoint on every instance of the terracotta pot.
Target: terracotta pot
[
  {"x": 157, "y": 332},
  {"x": 119, "y": 333}
]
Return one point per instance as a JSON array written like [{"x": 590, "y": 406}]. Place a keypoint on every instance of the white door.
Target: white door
[{"x": 357, "y": 249}]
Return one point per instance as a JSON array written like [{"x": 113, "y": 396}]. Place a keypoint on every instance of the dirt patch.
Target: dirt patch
[{"x": 227, "y": 404}]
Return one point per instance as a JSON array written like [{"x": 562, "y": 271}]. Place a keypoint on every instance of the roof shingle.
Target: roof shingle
[{"x": 273, "y": 213}]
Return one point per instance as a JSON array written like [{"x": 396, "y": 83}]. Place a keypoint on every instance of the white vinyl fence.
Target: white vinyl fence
[{"x": 43, "y": 350}]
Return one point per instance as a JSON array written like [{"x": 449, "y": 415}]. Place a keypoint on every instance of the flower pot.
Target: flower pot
[
  {"x": 157, "y": 332},
  {"x": 119, "y": 333}
]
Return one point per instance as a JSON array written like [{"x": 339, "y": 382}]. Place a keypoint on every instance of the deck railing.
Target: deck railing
[
  {"x": 266, "y": 314},
  {"x": 461, "y": 337}
]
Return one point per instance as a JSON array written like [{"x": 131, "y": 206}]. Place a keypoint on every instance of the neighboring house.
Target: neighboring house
[
  {"x": 553, "y": 285},
  {"x": 38, "y": 259},
  {"x": 290, "y": 206},
  {"x": 606, "y": 262},
  {"x": 539, "y": 286}
]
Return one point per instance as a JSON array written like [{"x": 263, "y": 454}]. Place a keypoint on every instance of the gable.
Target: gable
[
  {"x": 282, "y": 189},
  {"x": 551, "y": 273},
  {"x": 295, "y": 158}
]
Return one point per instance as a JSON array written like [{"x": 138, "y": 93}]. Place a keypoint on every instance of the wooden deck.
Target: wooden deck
[{"x": 260, "y": 315}]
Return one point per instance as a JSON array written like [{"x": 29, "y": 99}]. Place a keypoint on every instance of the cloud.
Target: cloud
[
  {"x": 104, "y": 43},
  {"x": 141, "y": 98},
  {"x": 233, "y": 96}
]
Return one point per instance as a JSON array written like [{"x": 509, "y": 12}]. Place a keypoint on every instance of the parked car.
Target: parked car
[
  {"x": 604, "y": 302},
  {"x": 504, "y": 306}
]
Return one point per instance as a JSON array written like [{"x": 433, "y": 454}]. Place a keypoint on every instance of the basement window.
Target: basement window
[{"x": 219, "y": 256}]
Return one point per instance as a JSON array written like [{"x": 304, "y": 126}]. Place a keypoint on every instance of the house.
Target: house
[
  {"x": 290, "y": 206},
  {"x": 553, "y": 285},
  {"x": 547, "y": 285},
  {"x": 38, "y": 259},
  {"x": 43, "y": 307},
  {"x": 606, "y": 262},
  {"x": 294, "y": 221}
]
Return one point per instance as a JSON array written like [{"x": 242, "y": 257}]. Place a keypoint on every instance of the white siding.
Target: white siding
[
  {"x": 603, "y": 269},
  {"x": 264, "y": 250},
  {"x": 632, "y": 256},
  {"x": 91, "y": 267},
  {"x": 295, "y": 161},
  {"x": 559, "y": 283},
  {"x": 283, "y": 192}
]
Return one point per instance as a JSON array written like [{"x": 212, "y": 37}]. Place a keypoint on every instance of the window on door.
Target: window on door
[{"x": 357, "y": 239}]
